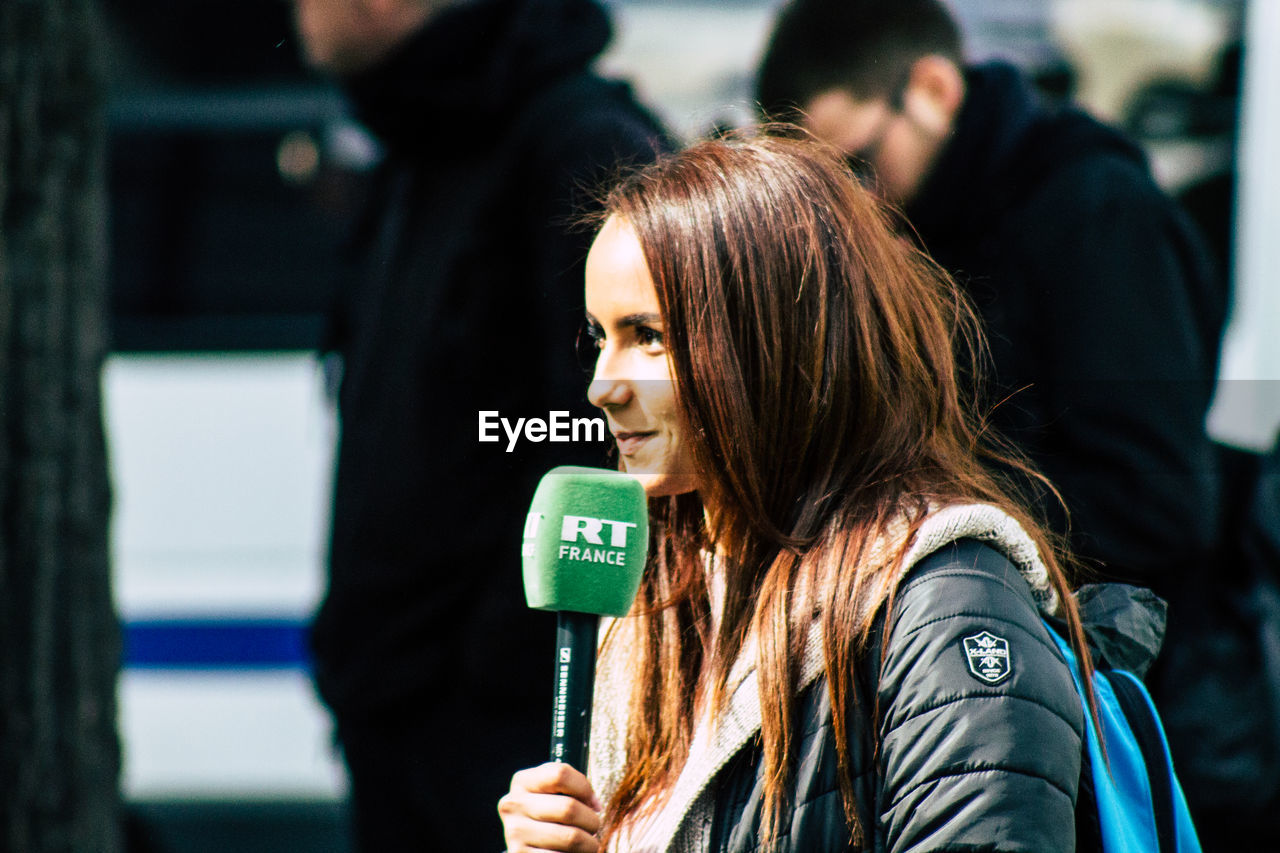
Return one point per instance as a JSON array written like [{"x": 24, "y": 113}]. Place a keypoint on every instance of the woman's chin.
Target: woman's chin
[{"x": 662, "y": 484}]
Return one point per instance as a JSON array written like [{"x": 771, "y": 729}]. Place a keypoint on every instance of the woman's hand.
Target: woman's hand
[{"x": 550, "y": 807}]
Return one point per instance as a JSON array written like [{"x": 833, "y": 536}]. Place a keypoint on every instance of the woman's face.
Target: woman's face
[{"x": 633, "y": 382}]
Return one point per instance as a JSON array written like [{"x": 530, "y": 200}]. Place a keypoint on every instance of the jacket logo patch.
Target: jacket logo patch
[{"x": 988, "y": 657}]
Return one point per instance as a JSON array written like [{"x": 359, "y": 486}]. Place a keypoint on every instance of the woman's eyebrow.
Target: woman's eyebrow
[{"x": 640, "y": 319}]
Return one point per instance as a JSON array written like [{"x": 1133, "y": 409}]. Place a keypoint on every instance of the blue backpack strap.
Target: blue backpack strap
[
  {"x": 1146, "y": 729},
  {"x": 1173, "y": 817},
  {"x": 1140, "y": 806}
]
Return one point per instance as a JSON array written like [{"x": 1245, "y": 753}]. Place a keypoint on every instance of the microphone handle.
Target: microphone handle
[{"x": 574, "y": 682}]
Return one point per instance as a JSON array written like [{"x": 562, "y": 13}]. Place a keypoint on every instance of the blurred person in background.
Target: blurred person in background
[
  {"x": 1103, "y": 308},
  {"x": 462, "y": 295}
]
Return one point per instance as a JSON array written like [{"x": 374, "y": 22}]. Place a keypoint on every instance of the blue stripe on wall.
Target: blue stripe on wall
[{"x": 216, "y": 644}]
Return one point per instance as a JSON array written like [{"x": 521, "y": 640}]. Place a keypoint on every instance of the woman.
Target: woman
[{"x": 838, "y": 643}]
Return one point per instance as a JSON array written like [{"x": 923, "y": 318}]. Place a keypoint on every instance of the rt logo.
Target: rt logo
[{"x": 575, "y": 527}]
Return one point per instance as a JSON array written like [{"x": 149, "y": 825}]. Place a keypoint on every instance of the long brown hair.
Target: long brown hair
[{"x": 814, "y": 356}]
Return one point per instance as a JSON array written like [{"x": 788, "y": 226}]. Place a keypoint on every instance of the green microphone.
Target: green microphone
[{"x": 585, "y": 543}]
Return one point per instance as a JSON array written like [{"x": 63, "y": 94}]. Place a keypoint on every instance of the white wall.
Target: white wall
[
  {"x": 220, "y": 464},
  {"x": 1247, "y": 411}
]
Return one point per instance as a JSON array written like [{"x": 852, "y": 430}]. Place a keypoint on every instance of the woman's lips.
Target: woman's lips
[{"x": 630, "y": 442}]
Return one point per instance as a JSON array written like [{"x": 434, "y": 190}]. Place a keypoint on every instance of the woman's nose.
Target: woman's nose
[{"x": 609, "y": 386}]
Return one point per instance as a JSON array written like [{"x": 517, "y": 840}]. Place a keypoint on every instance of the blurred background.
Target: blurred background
[{"x": 233, "y": 174}]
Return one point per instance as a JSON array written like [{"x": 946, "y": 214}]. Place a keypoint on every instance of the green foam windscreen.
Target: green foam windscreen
[{"x": 585, "y": 541}]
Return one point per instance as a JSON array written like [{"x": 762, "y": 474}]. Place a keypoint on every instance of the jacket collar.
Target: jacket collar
[
  {"x": 999, "y": 107},
  {"x": 1005, "y": 138},
  {"x": 467, "y": 70}
]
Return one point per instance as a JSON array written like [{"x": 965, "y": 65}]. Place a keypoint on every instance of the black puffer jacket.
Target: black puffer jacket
[{"x": 963, "y": 763}]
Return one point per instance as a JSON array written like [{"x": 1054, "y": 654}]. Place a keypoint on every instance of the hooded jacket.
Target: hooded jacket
[
  {"x": 463, "y": 295},
  {"x": 952, "y": 754},
  {"x": 1103, "y": 314}
]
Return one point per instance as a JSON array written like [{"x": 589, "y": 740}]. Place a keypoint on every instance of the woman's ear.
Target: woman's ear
[{"x": 935, "y": 90}]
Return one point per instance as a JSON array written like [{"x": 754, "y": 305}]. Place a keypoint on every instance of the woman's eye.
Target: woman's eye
[
  {"x": 590, "y": 342},
  {"x": 648, "y": 337}
]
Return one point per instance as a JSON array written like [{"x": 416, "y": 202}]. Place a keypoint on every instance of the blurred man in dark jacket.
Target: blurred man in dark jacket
[
  {"x": 1103, "y": 310},
  {"x": 464, "y": 296}
]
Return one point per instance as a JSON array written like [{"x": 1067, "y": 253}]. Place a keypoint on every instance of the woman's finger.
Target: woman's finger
[
  {"x": 556, "y": 778},
  {"x": 529, "y": 836},
  {"x": 557, "y": 808}
]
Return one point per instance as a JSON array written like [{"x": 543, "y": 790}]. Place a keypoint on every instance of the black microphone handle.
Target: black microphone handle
[{"x": 574, "y": 682}]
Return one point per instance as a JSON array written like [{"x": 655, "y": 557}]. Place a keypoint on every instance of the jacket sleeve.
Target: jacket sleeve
[{"x": 980, "y": 725}]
